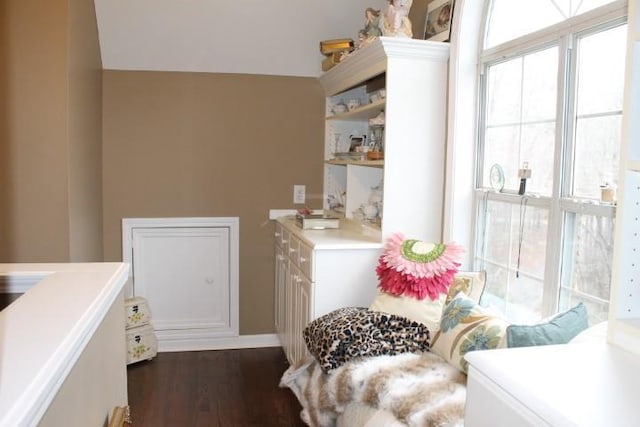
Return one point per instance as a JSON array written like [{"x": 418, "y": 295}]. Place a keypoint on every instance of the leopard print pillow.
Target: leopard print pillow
[{"x": 352, "y": 332}]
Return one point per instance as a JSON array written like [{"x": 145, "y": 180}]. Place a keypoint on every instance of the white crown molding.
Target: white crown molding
[{"x": 375, "y": 58}]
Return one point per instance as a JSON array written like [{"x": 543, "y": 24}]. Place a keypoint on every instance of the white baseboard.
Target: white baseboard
[{"x": 166, "y": 344}]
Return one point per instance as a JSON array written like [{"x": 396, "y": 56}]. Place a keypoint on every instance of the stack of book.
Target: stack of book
[
  {"x": 335, "y": 51},
  {"x": 316, "y": 221}
]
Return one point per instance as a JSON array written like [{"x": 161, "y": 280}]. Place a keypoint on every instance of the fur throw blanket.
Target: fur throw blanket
[{"x": 419, "y": 389}]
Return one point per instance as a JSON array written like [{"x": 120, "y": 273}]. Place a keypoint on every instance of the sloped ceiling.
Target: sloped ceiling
[{"x": 275, "y": 37}]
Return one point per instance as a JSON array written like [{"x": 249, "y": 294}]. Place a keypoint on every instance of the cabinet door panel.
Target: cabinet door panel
[
  {"x": 184, "y": 275},
  {"x": 300, "y": 311},
  {"x": 281, "y": 278},
  {"x": 279, "y": 235},
  {"x": 305, "y": 260},
  {"x": 289, "y": 315},
  {"x": 293, "y": 250}
]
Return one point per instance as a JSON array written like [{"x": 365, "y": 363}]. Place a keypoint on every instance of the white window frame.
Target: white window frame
[{"x": 467, "y": 63}]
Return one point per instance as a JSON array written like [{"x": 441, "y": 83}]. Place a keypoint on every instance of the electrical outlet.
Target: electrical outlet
[{"x": 299, "y": 194}]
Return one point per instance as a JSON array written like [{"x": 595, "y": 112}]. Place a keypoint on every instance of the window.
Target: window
[
  {"x": 510, "y": 19},
  {"x": 551, "y": 79}
]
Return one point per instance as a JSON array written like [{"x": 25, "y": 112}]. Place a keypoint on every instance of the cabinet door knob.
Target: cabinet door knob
[
  {"x": 277, "y": 234},
  {"x": 303, "y": 260},
  {"x": 291, "y": 250}
]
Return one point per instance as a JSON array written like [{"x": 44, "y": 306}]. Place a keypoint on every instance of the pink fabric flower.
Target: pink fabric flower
[{"x": 417, "y": 269}]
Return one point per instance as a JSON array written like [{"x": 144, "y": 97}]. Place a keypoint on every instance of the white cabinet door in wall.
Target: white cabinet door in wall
[
  {"x": 184, "y": 274},
  {"x": 187, "y": 275}
]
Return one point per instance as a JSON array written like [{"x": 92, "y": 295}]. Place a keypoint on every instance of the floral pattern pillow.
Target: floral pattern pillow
[
  {"x": 466, "y": 327},
  {"x": 471, "y": 283}
]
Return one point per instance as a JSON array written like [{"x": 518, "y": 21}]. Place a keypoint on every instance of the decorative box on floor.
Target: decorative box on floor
[
  {"x": 142, "y": 343},
  {"x": 138, "y": 313}
]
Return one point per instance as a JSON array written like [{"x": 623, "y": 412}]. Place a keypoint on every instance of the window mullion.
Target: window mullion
[
  {"x": 479, "y": 204},
  {"x": 566, "y": 132},
  {"x": 482, "y": 122},
  {"x": 563, "y": 163}
]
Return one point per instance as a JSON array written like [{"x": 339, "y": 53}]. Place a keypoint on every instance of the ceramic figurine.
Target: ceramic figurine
[
  {"x": 395, "y": 22},
  {"x": 371, "y": 28}
]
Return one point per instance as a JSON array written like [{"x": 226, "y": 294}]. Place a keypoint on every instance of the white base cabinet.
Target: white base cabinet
[
  {"x": 318, "y": 271},
  {"x": 589, "y": 384}
]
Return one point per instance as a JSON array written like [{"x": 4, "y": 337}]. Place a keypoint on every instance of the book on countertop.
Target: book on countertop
[
  {"x": 327, "y": 47},
  {"x": 316, "y": 221}
]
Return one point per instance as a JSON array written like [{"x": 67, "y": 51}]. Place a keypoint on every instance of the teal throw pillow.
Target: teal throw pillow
[{"x": 560, "y": 329}]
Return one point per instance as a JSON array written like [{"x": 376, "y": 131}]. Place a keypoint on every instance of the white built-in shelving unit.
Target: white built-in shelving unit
[
  {"x": 624, "y": 313},
  {"x": 413, "y": 73}
]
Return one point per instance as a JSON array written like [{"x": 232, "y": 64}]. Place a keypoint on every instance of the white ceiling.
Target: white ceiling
[{"x": 276, "y": 37}]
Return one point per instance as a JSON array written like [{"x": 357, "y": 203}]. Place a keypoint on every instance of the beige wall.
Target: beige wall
[
  {"x": 33, "y": 190},
  {"x": 196, "y": 144},
  {"x": 417, "y": 15},
  {"x": 40, "y": 176},
  {"x": 85, "y": 134}
]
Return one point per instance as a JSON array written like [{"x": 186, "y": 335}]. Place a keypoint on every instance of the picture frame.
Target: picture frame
[{"x": 437, "y": 24}]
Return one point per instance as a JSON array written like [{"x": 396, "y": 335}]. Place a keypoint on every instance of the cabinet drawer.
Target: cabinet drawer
[
  {"x": 284, "y": 240},
  {"x": 293, "y": 250},
  {"x": 305, "y": 260},
  {"x": 279, "y": 235}
]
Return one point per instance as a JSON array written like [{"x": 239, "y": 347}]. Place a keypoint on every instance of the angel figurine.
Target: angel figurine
[{"x": 395, "y": 22}]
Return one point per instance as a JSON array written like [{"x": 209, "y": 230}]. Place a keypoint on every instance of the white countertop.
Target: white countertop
[
  {"x": 588, "y": 384},
  {"x": 43, "y": 332},
  {"x": 350, "y": 235}
]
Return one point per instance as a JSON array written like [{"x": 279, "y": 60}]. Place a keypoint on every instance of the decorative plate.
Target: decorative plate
[{"x": 496, "y": 177}]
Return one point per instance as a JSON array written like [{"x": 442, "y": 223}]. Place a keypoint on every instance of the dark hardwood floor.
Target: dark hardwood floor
[{"x": 225, "y": 388}]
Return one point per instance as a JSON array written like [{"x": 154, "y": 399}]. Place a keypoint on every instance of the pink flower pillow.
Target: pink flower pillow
[{"x": 417, "y": 269}]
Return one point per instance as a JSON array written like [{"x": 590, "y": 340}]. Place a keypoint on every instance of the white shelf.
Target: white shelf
[
  {"x": 370, "y": 163},
  {"x": 363, "y": 112}
]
